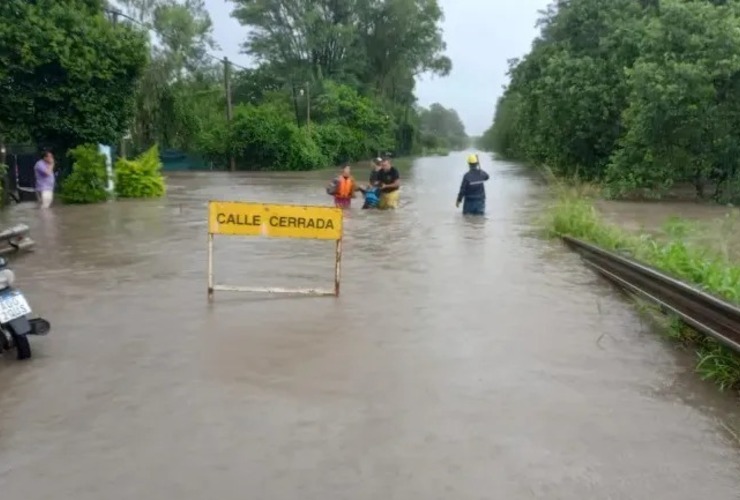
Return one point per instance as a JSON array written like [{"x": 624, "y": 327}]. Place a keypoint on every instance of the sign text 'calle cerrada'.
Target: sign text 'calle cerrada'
[
  {"x": 275, "y": 221},
  {"x": 233, "y": 218}
]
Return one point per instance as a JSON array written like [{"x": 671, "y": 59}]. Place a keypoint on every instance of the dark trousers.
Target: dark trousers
[{"x": 474, "y": 206}]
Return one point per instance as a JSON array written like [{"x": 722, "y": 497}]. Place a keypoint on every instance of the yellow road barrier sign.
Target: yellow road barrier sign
[
  {"x": 276, "y": 221},
  {"x": 235, "y": 218}
]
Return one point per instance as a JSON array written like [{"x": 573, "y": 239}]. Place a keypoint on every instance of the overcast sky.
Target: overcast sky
[{"x": 481, "y": 36}]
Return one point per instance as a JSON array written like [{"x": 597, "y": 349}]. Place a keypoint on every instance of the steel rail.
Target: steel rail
[{"x": 705, "y": 313}]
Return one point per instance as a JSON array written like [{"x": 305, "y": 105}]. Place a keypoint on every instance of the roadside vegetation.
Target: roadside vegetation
[
  {"x": 141, "y": 177},
  {"x": 88, "y": 182},
  {"x": 573, "y": 214},
  {"x": 333, "y": 82},
  {"x": 634, "y": 99},
  {"x": 640, "y": 96}
]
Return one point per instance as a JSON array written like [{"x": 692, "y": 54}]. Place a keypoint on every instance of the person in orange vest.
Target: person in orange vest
[{"x": 343, "y": 188}]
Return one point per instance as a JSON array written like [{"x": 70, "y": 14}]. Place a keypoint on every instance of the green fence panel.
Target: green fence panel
[{"x": 173, "y": 160}]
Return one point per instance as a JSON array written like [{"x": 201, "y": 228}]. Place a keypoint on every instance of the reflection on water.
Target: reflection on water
[{"x": 459, "y": 346}]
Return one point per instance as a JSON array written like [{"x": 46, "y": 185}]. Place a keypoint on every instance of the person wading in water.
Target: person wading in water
[
  {"x": 377, "y": 165},
  {"x": 45, "y": 180},
  {"x": 372, "y": 191},
  {"x": 343, "y": 188},
  {"x": 390, "y": 181},
  {"x": 472, "y": 189}
]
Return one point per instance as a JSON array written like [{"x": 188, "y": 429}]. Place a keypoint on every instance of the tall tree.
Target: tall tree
[
  {"x": 641, "y": 95},
  {"x": 67, "y": 73},
  {"x": 180, "y": 90},
  {"x": 384, "y": 43},
  {"x": 442, "y": 127}
]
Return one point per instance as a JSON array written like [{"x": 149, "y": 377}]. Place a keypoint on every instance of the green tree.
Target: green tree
[
  {"x": 563, "y": 105},
  {"x": 368, "y": 124},
  {"x": 181, "y": 91},
  {"x": 442, "y": 128},
  {"x": 67, "y": 73},
  {"x": 334, "y": 81},
  {"x": 684, "y": 108},
  {"x": 640, "y": 94},
  {"x": 375, "y": 46}
]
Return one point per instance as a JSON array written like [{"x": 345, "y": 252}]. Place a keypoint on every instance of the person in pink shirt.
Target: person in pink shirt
[{"x": 45, "y": 180}]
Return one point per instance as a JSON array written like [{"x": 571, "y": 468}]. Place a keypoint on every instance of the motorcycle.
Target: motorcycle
[{"x": 15, "y": 321}]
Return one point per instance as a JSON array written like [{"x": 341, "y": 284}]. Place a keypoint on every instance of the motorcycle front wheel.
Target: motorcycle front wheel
[{"x": 22, "y": 346}]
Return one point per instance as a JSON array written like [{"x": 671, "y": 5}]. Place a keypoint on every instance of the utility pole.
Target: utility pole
[
  {"x": 308, "y": 105},
  {"x": 229, "y": 111},
  {"x": 296, "y": 109},
  {"x": 122, "y": 146},
  {"x": 6, "y": 179}
]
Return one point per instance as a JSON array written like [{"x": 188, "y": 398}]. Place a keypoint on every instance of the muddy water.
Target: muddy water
[
  {"x": 637, "y": 216},
  {"x": 465, "y": 359},
  {"x": 707, "y": 225}
]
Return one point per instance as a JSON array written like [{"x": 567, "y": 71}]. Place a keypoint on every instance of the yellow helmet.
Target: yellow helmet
[{"x": 473, "y": 160}]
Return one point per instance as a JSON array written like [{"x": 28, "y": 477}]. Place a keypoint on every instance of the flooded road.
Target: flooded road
[{"x": 465, "y": 359}]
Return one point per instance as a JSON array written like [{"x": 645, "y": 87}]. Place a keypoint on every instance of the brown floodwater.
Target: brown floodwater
[
  {"x": 465, "y": 359},
  {"x": 704, "y": 224},
  {"x": 639, "y": 216}
]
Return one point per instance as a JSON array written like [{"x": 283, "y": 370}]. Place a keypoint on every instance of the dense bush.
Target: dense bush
[
  {"x": 140, "y": 178},
  {"x": 345, "y": 126},
  {"x": 262, "y": 138},
  {"x": 339, "y": 143},
  {"x": 88, "y": 181},
  {"x": 366, "y": 127},
  {"x": 627, "y": 93}
]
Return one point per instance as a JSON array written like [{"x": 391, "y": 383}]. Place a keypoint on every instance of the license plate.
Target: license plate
[{"x": 13, "y": 305}]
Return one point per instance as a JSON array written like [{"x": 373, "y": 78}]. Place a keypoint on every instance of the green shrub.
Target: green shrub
[
  {"x": 263, "y": 138},
  {"x": 88, "y": 180},
  {"x": 140, "y": 178},
  {"x": 366, "y": 127},
  {"x": 339, "y": 143}
]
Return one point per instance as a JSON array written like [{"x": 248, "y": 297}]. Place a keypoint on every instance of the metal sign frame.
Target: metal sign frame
[{"x": 264, "y": 231}]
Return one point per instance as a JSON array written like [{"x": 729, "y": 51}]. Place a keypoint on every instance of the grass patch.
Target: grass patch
[{"x": 573, "y": 214}]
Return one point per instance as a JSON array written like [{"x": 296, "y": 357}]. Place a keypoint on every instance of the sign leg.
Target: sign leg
[
  {"x": 338, "y": 267},
  {"x": 210, "y": 266}
]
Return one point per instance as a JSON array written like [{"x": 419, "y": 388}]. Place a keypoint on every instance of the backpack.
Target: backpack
[{"x": 372, "y": 197}]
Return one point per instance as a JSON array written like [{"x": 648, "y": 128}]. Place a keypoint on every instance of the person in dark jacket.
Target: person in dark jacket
[{"x": 472, "y": 189}]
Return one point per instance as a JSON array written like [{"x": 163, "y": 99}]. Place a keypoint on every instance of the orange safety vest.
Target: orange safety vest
[{"x": 345, "y": 187}]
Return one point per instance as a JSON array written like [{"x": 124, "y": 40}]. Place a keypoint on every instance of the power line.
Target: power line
[
  {"x": 116, "y": 13},
  {"x": 225, "y": 61}
]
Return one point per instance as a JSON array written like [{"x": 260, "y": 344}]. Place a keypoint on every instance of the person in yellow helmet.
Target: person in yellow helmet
[{"x": 472, "y": 190}]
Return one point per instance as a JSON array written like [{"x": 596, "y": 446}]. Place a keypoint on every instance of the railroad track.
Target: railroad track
[{"x": 704, "y": 312}]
